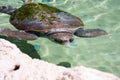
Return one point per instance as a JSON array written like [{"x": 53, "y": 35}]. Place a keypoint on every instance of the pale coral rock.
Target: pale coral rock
[{"x": 15, "y": 65}]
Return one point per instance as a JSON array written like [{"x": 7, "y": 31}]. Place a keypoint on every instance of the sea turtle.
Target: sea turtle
[{"x": 37, "y": 19}]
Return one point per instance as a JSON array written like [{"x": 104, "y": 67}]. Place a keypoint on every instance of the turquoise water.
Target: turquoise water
[{"x": 102, "y": 53}]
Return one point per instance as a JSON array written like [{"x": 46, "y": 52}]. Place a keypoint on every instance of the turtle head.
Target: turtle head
[{"x": 64, "y": 38}]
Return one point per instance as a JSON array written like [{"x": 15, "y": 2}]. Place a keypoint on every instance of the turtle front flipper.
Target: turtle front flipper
[
  {"x": 17, "y": 34},
  {"x": 90, "y": 32},
  {"x": 7, "y": 9}
]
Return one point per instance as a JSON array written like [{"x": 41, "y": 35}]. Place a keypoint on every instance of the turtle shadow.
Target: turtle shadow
[{"x": 23, "y": 46}]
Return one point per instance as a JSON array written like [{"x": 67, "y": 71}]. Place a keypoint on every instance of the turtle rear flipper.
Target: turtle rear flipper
[
  {"x": 17, "y": 34},
  {"x": 90, "y": 32},
  {"x": 7, "y": 9}
]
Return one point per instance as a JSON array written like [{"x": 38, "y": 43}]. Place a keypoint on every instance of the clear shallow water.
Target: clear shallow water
[{"x": 102, "y": 52}]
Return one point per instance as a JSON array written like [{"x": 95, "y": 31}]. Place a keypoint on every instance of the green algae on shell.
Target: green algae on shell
[{"x": 35, "y": 11}]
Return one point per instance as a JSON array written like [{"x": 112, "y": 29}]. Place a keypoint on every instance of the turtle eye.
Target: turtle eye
[
  {"x": 58, "y": 40},
  {"x": 71, "y": 40}
]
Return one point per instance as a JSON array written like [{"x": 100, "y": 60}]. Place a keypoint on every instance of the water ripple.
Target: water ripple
[{"x": 102, "y": 4}]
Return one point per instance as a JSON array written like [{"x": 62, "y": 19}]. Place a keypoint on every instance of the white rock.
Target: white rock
[{"x": 15, "y": 65}]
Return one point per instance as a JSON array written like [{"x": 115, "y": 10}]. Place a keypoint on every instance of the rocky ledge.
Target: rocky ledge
[{"x": 15, "y": 65}]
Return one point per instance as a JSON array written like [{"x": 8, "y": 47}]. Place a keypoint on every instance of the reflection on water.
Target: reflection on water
[
  {"x": 47, "y": 0},
  {"x": 101, "y": 52}
]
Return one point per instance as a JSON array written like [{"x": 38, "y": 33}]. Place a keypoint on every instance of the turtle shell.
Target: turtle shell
[{"x": 43, "y": 18}]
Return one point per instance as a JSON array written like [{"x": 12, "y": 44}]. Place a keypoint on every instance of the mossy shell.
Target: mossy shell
[{"x": 43, "y": 18}]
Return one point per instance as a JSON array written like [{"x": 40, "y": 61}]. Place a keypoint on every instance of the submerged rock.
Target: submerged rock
[{"x": 15, "y": 65}]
